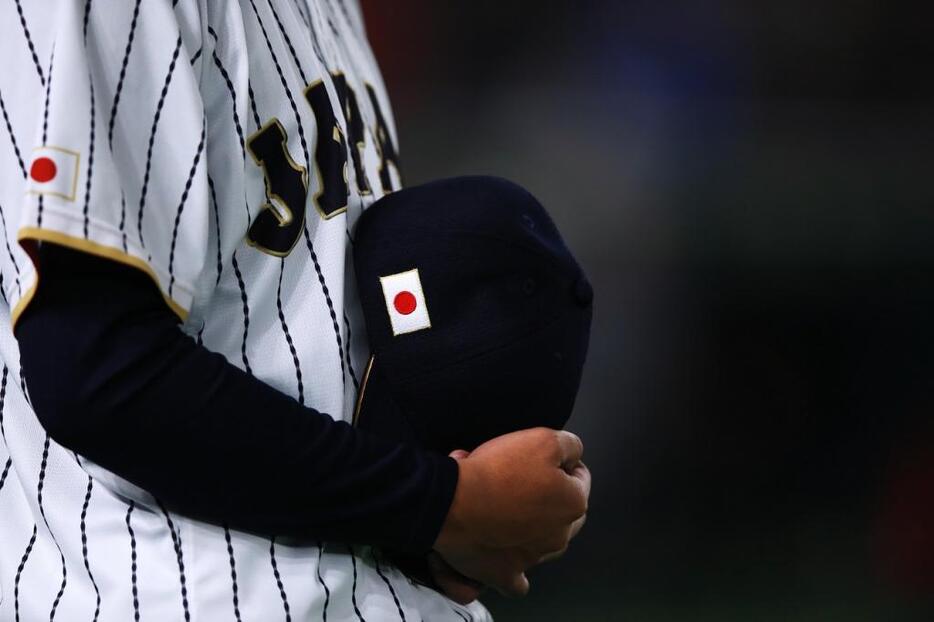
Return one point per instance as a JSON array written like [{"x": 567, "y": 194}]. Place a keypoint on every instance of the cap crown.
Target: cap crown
[{"x": 509, "y": 306}]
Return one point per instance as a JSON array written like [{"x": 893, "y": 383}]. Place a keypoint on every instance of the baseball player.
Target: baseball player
[{"x": 179, "y": 184}]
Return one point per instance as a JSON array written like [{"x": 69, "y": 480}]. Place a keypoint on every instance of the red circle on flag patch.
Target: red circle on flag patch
[
  {"x": 43, "y": 170},
  {"x": 405, "y": 302}
]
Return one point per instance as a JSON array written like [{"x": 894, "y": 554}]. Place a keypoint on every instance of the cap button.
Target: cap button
[{"x": 583, "y": 291}]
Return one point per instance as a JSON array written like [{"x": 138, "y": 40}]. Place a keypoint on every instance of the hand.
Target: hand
[{"x": 520, "y": 499}]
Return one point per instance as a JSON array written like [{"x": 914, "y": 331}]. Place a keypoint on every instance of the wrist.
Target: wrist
[
  {"x": 452, "y": 529},
  {"x": 436, "y": 503}
]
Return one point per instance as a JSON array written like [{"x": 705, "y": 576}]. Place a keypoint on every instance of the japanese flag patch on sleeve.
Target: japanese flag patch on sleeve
[
  {"x": 405, "y": 302},
  {"x": 54, "y": 171}
]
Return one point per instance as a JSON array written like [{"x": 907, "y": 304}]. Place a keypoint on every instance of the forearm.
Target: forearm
[{"x": 113, "y": 378}]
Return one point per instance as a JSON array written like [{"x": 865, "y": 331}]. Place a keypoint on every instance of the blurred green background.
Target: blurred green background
[{"x": 749, "y": 187}]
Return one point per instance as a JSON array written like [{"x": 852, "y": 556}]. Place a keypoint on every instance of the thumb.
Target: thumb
[
  {"x": 519, "y": 586},
  {"x": 459, "y": 454}
]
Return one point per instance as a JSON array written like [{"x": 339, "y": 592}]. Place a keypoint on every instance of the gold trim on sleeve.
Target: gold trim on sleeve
[{"x": 35, "y": 234}]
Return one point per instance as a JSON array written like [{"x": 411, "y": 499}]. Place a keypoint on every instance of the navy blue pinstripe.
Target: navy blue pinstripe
[
  {"x": 32, "y": 46},
  {"x": 217, "y": 225},
  {"x": 233, "y": 573},
  {"x": 152, "y": 137},
  {"x": 9, "y": 461},
  {"x": 288, "y": 42},
  {"x": 45, "y": 126},
  {"x": 87, "y": 16},
  {"x": 353, "y": 375},
  {"x": 123, "y": 68},
  {"x": 327, "y": 592},
  {"x": 258, "y": 124},
  {"x": 9, "y": 129},
  {"x": 84, "y": 546},
  {"x": 6, "y": 373},
  {"x": 6, "y": 470},
  {"x": 42, "y": 474},
  {"x": 22, "y": 383},
  {"x": 303, "y": 14},
  {"x": 9, "y": 251},
  {"x": 256, "y": 118},
  {"x": 21, "y": 567},
  {"x": 246, "y": 314},
  {"x": 230, "y": 88},
  {"x": 87, "y": 190},
  {"x": 288, "y": 336},
  {"x": 184, "y": 199},
  {"x": 177, "y": 544},
  {"x": 315, "y": 46},
  {"x": 353, "y": 590},
  {"x": 134, "y": 588},
  {"x": 275, "y": 570},
  {"x": 123, "y": 220},
  {"x": 392, "y": 591}
]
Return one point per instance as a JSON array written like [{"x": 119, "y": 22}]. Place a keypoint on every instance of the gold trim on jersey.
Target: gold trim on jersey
[
  {"x": 34, "y": 234},
  {"x": 366, "y": 378}
]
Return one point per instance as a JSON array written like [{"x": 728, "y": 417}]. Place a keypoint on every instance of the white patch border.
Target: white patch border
[
  {"x": 390, "y": 310},
  {"x": 76, "y": 174}
]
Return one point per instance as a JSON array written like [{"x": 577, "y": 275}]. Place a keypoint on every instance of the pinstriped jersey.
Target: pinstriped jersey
[{"x": 226, "y": 149}]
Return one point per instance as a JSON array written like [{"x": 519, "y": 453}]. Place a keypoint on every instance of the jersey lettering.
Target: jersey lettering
[
  {"x": 355, "y": 130},
  {"x": 280, "y": 223},
  {"x": 330, "y": 154},
  {"x": 384, "y": 144}
]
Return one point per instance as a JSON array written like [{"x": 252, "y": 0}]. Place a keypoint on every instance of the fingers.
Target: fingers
[
  {"x": 506, "y": 573},
  {"x": 570, "y": 449},
  {"x": 581, "y": 474},
  {"x": 575, "y": 528},
  {"x": 572, "y": 493},
  {"x": 518, "y": 586},
  {"x": 577, "y": 525},
  {"x": 459, "y": 454},
  {"x": 552, "y": 556}
]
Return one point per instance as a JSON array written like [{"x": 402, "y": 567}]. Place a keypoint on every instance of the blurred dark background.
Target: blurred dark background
[{"x": 749, "y": 186}]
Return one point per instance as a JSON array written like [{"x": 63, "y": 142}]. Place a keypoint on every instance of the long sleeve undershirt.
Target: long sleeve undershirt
[{"x": 112, "y": 377}]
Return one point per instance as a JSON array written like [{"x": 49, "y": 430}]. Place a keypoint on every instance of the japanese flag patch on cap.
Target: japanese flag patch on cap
[
  {"x": 54, "y": 171},
  {"x": 405, "y": 302}
]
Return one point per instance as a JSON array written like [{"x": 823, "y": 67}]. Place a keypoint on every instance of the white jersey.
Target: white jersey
[{"x": 226, "y": 148}]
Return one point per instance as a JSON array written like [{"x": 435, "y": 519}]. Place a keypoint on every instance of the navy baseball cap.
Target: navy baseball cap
[{"x": 478, "y": 315}]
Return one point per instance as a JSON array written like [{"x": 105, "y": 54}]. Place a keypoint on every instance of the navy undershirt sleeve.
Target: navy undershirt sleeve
[{"x": 112, "y": 377}]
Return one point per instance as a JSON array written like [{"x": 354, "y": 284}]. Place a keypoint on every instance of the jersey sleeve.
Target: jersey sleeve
[{"x": 119, "y": 167}]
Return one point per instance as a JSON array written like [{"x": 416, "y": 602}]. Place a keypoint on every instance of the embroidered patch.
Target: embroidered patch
[
  {"x": 54, "y": 171},
  {"x": 405, "y": 302}
]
